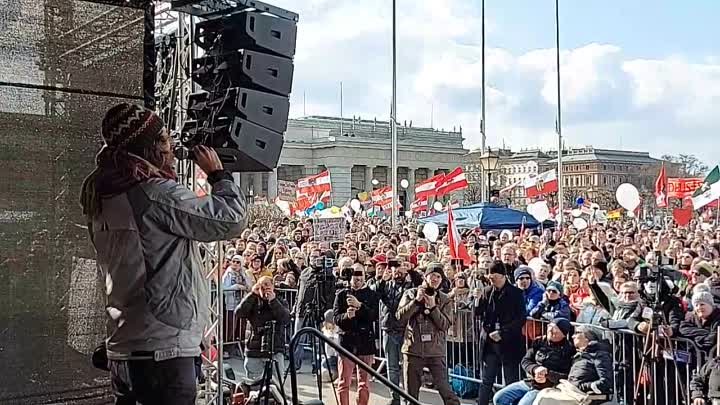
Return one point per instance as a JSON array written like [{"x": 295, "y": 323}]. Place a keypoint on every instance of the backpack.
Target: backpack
[{"x": 463, "y": 387}]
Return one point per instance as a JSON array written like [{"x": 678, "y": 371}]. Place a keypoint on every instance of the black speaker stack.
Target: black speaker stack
[{"x": 244, "y": 66}]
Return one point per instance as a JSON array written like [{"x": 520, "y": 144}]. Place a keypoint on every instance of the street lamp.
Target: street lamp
[{"x": 489, "y": 163}]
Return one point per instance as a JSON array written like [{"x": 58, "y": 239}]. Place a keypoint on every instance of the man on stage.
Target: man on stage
[{"x": 144, "y": 226}]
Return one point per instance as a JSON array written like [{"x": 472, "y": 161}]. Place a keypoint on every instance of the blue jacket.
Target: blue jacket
[
  {"x": 533, "y": 296},
  {"x": 550, "y": 310}
]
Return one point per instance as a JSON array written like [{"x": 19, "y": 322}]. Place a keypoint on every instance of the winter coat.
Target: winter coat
[
  {"x": 146, "y": 242},
  {"x": 533, "y": 296},
  {"x": 556, "y": 357},
  {"x": 259, "y": 312},
  {"x": 390, "y": 293},
  {"x": 706, "y": 383},
  {"x": 506, "y": 307},
  {"x": 357, "y": 333},
  {"x": 592, "y": 369},
  {"x": 703, "y": 333},
  {"x": 549, "y": 310},
  {"x": 431, "y": 327}
]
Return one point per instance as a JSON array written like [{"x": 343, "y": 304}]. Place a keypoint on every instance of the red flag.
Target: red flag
[
  {"x": 543, "y": 183},
  {"x": 661, "y": 188},
  {"x": 453, "y": 181},
  {"x": 316, "y": 184},
  {"x": 458, "y": 250}
]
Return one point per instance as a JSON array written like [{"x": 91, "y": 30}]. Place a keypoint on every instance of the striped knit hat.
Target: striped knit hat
[{"x": 125, "y": 124}]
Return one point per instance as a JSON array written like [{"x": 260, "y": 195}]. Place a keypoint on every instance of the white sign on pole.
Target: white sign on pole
[
  {"x": 286, "y": 190},
  {"x": 329, "y": 229}
]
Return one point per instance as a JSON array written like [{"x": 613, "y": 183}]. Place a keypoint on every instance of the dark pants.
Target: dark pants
[
  {"x": 493, "y": 363},
  {"x": 413, "y": 368},
  {"x": 148, "y": 382}
]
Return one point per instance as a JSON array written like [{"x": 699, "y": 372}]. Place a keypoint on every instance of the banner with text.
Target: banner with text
[
  {"x": 683, "y": 187},
  {"x": 286, "y": 190},
  {"x": 329, "y": 229}
]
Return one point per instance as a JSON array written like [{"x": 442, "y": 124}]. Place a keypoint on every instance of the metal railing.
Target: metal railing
[{"x": 627, "y": 347}]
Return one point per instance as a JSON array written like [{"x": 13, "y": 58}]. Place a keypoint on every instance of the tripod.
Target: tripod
[
  {"x": 313, "y": 318},
  {"x": 271, "y": 366},
  {"x": 652, "y": 355}
]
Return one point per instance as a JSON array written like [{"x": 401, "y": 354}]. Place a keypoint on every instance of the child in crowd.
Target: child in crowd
[{"x": 330, "y": 330}]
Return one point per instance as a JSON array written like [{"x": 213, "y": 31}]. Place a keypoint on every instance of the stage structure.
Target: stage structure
[{"x": 224, "y": 75}]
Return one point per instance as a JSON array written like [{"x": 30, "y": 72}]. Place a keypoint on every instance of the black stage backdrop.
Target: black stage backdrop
[{"x": 63, "y": 63}]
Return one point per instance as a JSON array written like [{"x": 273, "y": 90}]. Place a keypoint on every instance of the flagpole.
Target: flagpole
[
  {"x": 393, "y": 120},
  {"x": 341, "y": 110},
  {"x": 482, "y": 75},
  {"x": 558, "y": 129}
]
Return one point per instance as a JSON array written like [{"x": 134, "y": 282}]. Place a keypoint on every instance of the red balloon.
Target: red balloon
[{"x": 682, "y": 216}]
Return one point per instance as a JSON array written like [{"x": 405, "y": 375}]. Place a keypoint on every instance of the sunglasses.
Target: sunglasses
[
  {"x": 553, "y": 291},
  {"x": 236, "y": 261}
]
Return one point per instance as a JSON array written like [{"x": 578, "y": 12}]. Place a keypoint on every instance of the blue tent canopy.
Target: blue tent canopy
[{"x": 488, "y": 217}]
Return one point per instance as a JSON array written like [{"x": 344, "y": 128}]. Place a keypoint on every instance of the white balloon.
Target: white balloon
[
  {"x": 576, "y": 212},
  {"x": 628, "y": 196},
  {"x": 705, "y": 226},
  {"x": 404, "y": 183},
  {"x": 580, "y": 224},
  {"x": 431, "y": 231},
  {"x": 437, "y": 206},
  {"x": 541, "y": 212},
  {"x": 536, "y": 263},
  {"x": 355, "y": 205},
  {"x": 408, "y": 214},
  {"x": 530, "y": 209}
]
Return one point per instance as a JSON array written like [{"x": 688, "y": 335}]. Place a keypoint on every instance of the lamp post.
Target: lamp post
[{"x": 488, "y": 163}]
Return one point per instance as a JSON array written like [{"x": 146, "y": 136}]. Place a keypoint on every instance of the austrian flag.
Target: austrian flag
[
  {"x": 542, "y": 184},
  {"x": 316, "y": 184},
  {"x": 428, "y": 188},
  {"x": 453, "y": 181},
  {"x": 458, "y": 250}
]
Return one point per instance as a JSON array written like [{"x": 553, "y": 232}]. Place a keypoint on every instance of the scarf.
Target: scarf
[{"x": 116, "y": 171}]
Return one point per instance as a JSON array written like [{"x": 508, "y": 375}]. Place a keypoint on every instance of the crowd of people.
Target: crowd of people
[{"x": 597, "y": 292}]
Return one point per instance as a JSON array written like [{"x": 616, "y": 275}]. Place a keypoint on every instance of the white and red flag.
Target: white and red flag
[
  {"x": 428, "y": 188},
  {"x": 453, "y": 181},
  {"x": 458, "y": 250},
  {"x": 420, "y": 205},
  {"x": 542, "y": 184},
  {"x": 315, "y": 184},
  {"x": 661, "y": 191}
]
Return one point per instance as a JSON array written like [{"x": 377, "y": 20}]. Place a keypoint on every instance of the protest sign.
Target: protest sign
[
  {"x": 286, "y": 190},
  {"x": 328, "y": 229}
]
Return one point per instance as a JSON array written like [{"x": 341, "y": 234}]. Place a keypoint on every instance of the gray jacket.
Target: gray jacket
[{"x": 157, "y": 294}]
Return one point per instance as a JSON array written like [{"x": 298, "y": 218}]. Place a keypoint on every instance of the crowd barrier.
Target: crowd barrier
[{"x": 667, "y": 382}]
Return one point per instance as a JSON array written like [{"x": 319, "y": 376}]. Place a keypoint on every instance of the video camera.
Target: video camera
[
  {"x": 267, "y": 333},
  {"x": 656, "y": 285}
]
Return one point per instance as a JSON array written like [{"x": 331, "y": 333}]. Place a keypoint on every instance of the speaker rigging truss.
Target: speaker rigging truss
[{"x": 210, "y": 8}]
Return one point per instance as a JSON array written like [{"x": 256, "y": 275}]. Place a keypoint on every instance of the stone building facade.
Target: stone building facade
[{"x": 356, "y": 151}]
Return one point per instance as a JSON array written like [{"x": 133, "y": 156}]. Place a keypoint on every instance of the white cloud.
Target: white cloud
[{"x": 609, "y": 98}]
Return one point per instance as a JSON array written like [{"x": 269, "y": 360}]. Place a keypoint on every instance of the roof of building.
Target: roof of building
[{"x": 605, "y": 155}]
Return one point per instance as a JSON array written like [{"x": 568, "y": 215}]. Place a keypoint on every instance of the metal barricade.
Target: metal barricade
[{"x": 660, "y": 385}]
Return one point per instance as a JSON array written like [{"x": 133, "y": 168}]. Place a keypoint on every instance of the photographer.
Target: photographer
[
  {"x": 425, "y": 311},
  {"x": 393, "y": 284},
  {"x": 261, "y": 308},
  {"x": 355, "y": 311},
  {"x": 316, "y": 293}
]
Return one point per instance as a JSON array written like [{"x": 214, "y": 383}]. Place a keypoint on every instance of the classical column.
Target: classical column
[
  {"x": 368, "y": 178},
  {"x": 340, "y": 177},
  {"x": 272, "y": 184},
  {"x": 411, "y": 187},
  {"x": 257, "y": 184}
]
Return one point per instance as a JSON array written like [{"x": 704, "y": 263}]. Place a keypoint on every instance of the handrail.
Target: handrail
[{"x": 344, "y": 352}]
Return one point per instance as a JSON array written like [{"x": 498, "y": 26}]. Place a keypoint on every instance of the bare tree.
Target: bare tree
[
  {"x": 690, "y": 165},
  {"x": 473, "y": 194}
]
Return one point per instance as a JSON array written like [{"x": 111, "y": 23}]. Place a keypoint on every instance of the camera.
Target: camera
[
  {"x": 393, "y": 263},
  {"x": 429, "y": 291},
  {"x": 656, "y": 284},
  {"x": 346, "y": 273},
  {"x": 267, "y": 333}
]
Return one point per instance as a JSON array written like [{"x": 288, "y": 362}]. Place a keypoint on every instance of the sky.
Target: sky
[{"x": 638, "y": 75}]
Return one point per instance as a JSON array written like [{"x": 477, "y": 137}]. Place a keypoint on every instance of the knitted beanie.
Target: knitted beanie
[
  {"x": 126, "y": 124},
  {"x": 702, "y": 298}
]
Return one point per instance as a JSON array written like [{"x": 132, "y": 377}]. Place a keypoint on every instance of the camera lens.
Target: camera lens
[{"x": 429, "y": 291}]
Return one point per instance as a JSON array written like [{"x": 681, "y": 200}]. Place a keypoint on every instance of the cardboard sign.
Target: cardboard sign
[
  {"x": 329, "y": 229},
  {"x": 286, "y": 190},
  {"x": 681, "y": 188}
]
